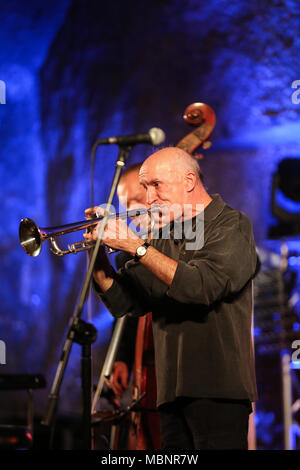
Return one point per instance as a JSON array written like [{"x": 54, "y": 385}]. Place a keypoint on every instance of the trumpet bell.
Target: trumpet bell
[{"x": 30, "y": 237}]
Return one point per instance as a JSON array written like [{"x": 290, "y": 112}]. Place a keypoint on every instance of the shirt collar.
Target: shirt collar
[
  {"x": 214, "y": 208},
  {"x": 211, "y": 211}
]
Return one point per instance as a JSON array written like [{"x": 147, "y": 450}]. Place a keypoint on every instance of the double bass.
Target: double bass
[{"x": 144, "y": 428}]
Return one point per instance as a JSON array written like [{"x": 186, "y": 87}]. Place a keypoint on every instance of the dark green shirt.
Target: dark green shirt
[{"x": 202, "y": 322}]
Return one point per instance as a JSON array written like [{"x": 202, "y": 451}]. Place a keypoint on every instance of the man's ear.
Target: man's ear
[{"x": 190, "y": 181}]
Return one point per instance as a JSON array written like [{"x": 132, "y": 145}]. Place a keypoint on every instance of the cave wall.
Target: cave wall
[{"x": 77, "y": 71}]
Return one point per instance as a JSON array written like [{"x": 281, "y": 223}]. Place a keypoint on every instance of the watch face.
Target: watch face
[{"x": 141, "y": 251}]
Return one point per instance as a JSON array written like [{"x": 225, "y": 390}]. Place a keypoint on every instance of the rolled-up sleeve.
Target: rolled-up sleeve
[{"x": 221, "y": 268}]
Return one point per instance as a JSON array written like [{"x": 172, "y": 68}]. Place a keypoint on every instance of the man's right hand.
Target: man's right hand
[
  {"x": 118, "y": 380},
  {"x": 103, "y": 271}
]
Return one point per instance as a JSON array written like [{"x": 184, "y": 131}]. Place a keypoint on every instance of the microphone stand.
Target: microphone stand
[
  {"x": 109, "y": 359},
  {"x": 82, "y": 332}
]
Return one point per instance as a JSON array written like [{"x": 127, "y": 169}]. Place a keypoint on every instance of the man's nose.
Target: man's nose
[{"x": 151, "y": 196}]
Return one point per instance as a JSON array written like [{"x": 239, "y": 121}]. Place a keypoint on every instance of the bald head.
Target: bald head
[
  {"x": 172, "y": 177},
  {"x": 175, "y": 159}
]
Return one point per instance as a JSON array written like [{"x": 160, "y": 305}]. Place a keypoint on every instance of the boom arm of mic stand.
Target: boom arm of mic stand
[{"x": 53, "y": 397}]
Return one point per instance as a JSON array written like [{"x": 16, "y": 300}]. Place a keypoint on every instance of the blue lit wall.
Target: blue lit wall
[
  {"x": 79, "y": 70},
  {"x": 27, "y": 30}
]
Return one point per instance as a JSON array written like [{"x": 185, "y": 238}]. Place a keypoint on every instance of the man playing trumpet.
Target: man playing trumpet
[{"x": 198, "y": 286}]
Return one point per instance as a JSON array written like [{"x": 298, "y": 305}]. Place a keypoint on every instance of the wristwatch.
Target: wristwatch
[{"x": 141, "y": 251}]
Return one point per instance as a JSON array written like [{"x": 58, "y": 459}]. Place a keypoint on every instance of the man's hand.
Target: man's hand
[
  {"x": 118, "y": 380},
  {"x": 91, "y": 213},
  {"x": 116, "y": 235},
  {"x": 103, "y": 271}
]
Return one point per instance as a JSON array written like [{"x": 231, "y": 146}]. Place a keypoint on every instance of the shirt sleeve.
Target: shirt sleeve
[
  {"x": 221, "y": 268},
  {"x": 124, "y": 297}
]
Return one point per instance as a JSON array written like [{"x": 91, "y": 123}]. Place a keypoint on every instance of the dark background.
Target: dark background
[{"x": 79, "y": 70}]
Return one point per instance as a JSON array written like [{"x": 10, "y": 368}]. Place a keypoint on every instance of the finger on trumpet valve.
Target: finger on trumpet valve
[
  {"x": 91, "y": 212},
  {"x": 88, "y": 234},
  {"x": 99, "y": 212},
  {"x": 105, "y": 209}
]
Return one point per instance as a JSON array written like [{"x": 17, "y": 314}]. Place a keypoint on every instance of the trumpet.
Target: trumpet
[{"x": 32, "y": 237}]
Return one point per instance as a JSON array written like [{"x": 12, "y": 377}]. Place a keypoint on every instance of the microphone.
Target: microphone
[{"x": 154, "y": 136}]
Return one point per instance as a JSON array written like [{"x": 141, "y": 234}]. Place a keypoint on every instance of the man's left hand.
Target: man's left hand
[{"x": 117, "y": 235}]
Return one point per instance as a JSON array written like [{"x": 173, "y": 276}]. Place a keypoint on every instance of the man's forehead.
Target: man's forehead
[{"x": 161, "y": 171}]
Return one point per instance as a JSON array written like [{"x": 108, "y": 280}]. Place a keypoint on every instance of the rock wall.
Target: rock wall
[{"x": 101, "y": 69}]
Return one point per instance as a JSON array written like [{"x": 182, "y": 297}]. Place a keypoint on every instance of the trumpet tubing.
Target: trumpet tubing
[{"x": 32, "y": 237}]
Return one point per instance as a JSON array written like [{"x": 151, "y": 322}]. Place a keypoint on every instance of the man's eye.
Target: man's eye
[{"x": 156, "y": 184}]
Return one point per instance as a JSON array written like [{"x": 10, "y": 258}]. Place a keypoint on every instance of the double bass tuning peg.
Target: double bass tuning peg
[
  {"x": 199, "y": 156},
  {"x": 206, "y": 145}
]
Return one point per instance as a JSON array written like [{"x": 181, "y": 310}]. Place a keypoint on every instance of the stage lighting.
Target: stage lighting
[{"x": 285, "y": 198}]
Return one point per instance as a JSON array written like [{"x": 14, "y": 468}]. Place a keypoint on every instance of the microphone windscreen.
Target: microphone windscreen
[{"x": 157, "y": 135}]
